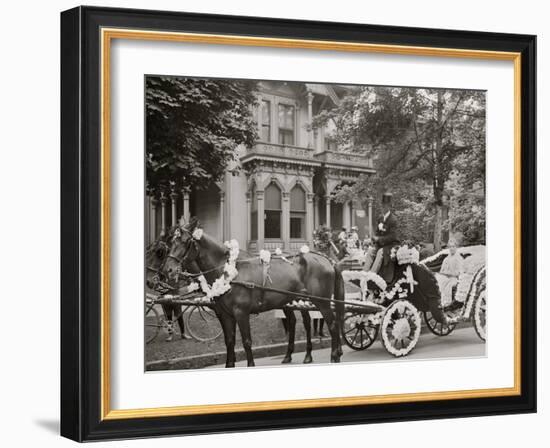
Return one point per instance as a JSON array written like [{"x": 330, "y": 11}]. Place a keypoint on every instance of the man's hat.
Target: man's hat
[{"x": 387, "y": 197}]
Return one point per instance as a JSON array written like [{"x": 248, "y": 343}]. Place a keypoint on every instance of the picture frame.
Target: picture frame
[{"x": 86, "y": 37}]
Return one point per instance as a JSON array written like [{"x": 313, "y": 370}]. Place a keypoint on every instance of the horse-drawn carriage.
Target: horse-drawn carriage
[
  {"x": 361, "y": 330},
  {"x": 234, "y": 286}
]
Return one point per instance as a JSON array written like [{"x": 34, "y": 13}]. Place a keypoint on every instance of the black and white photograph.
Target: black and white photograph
[{"x": 295, "y": 223}]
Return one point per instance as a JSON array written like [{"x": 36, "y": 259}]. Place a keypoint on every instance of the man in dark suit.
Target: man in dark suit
[{"x": 386, "y": 236}]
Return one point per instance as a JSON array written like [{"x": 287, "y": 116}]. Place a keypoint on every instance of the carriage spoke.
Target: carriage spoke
[{"x": 354, "y": 337}]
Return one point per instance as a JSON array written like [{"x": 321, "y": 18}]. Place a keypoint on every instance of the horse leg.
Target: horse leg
[
  {"x": 177, "y": 311},
  {"x": 228, "y": 325},
  {"x": 243, "y": 320},
  {"x": 291, "y": 320},
  {"x": 169, "y": 324},
  {"x": 307, "y": 325},
  {"x": 333, "y": 328}
]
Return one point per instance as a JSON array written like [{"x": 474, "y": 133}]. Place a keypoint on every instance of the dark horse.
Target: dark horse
[
  {"x": 155, "y": 256},
  {"x": 311, "y": 274}
]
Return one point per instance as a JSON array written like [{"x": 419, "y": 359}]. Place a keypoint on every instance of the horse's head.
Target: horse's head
[
  {"x": 184, "y": 249},
  {"x": 154, "y": 258}
]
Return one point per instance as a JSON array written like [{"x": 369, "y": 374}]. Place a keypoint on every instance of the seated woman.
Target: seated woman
[{"x": 452, "y": 267}]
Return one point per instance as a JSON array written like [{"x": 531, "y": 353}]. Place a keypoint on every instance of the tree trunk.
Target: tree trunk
[
  {"x": 438, "y": 226},
  {"x": 438, "y": 180}
]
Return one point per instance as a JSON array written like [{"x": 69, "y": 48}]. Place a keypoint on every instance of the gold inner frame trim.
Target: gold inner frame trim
[{"x": 107, "y": 35}]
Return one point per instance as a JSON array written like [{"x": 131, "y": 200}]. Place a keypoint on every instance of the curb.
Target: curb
[
  {"x": 211, "y": 359},
  {"x": 262, "y": 351}
]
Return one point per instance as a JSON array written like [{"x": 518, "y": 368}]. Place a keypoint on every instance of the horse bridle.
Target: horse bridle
[{"x": 180, "y": 260}]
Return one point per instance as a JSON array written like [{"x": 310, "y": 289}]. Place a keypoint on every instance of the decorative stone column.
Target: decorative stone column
[
  {"x": 309, "y": 219},
  {"x": 316, "y": 212},
  {"x": 173, "y": 203},
  {"x": 248, "y": 216},
  {"x": 285, "y": 228},
  {"x": 222, "y": 215},
  {"x": 345, "y": 215},
  {"x": 352, "y": 213},
  {"x": 154, "y": 205},
  {"x": 163, "y": 202},
  {"x": 309, "y": 119},
  {"x": 370, "y": 200},
  {"x": 261, "y": 218},
  {"x": 185, "y": 196},
  {"x": 327, "y": 205}
]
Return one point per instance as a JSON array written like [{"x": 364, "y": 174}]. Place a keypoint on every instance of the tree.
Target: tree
[
  {"x": 194, "y": 127},
  {"x": 417, "y": 137}
]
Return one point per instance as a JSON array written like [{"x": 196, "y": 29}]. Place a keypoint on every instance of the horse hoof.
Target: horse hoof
[
  {"x": 286, "y": 360},
  {"x": 185, "y": 336},
  {"x": 251, "y": 364},
  {"x": 308, "y": 360}
]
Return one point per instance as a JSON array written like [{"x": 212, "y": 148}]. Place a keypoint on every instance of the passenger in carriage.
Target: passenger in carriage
[
  {"x": 386, "y": 236},
  {"x": 452, "y": 267},
  {"x": 354, "y": 237},
  {"x": 343, "y": 235}
]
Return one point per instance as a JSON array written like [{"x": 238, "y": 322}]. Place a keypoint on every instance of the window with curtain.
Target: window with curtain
[
  {"x": 273, "y": 211},
  {"x": 298, "y": 213},
  {"x": 265, "y": 131},
  {"x": 286, "y": 124}
]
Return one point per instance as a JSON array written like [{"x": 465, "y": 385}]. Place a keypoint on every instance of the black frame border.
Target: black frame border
[{"x": 81, "y": 223}]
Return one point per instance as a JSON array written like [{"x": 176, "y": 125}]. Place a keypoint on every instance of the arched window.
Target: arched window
[
  {"x": 272, "y": 211},
  {"x": 298, "y": 213}
]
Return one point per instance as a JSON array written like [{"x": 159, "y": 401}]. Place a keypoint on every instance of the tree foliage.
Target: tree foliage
[
  {"x": 194, "y": 127},
  {"x": 419, "y": 140}
]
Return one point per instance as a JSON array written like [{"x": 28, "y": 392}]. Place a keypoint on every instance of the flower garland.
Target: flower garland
[
  {"x": 364, "y": 277},
  {"x": 406, "y": 255},
  {"x": 223, "y": 283},
  {"x": 398, "y": 289},
  {"x": 406, "y": 327}
]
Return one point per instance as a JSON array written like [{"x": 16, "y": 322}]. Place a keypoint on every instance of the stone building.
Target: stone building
[{"x": 281, "y": 188}]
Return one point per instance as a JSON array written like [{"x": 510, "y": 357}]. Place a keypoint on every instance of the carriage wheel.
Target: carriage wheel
[
  {"x": 358, "y": 331},
  {"x": 480, "y": 315},
  {"x": 436, "y": 327},
  {"x": 203, "y": 324},
  {"x": 400, "y": 328},
  {"x": 153, "y": 323}
]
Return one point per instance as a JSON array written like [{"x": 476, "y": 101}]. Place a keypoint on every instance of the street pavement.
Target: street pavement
[{"x": 463, "y": 342}]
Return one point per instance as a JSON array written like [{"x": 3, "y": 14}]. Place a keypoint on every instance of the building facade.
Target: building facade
[{"x": 283, "y": 187}]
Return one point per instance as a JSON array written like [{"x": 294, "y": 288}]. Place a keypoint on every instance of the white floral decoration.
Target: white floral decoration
[
  {"x": 304, "y": 249},
  {"x": 364, "y": 277},
  {"x": 223, "y": 283},
  {"x": 406, "y": 255},
  {"x": 197, "y": 233},
  {"x": 265, "y": 256},
  {"x": 192, "y": 287},
  {"x": 278, "y": 251}
]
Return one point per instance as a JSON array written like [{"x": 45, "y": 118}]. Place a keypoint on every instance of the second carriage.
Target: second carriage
[{"x": 399, "y": 325}]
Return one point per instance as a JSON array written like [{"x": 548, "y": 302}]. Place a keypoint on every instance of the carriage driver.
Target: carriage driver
[{"x": 384, "y": 239}]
